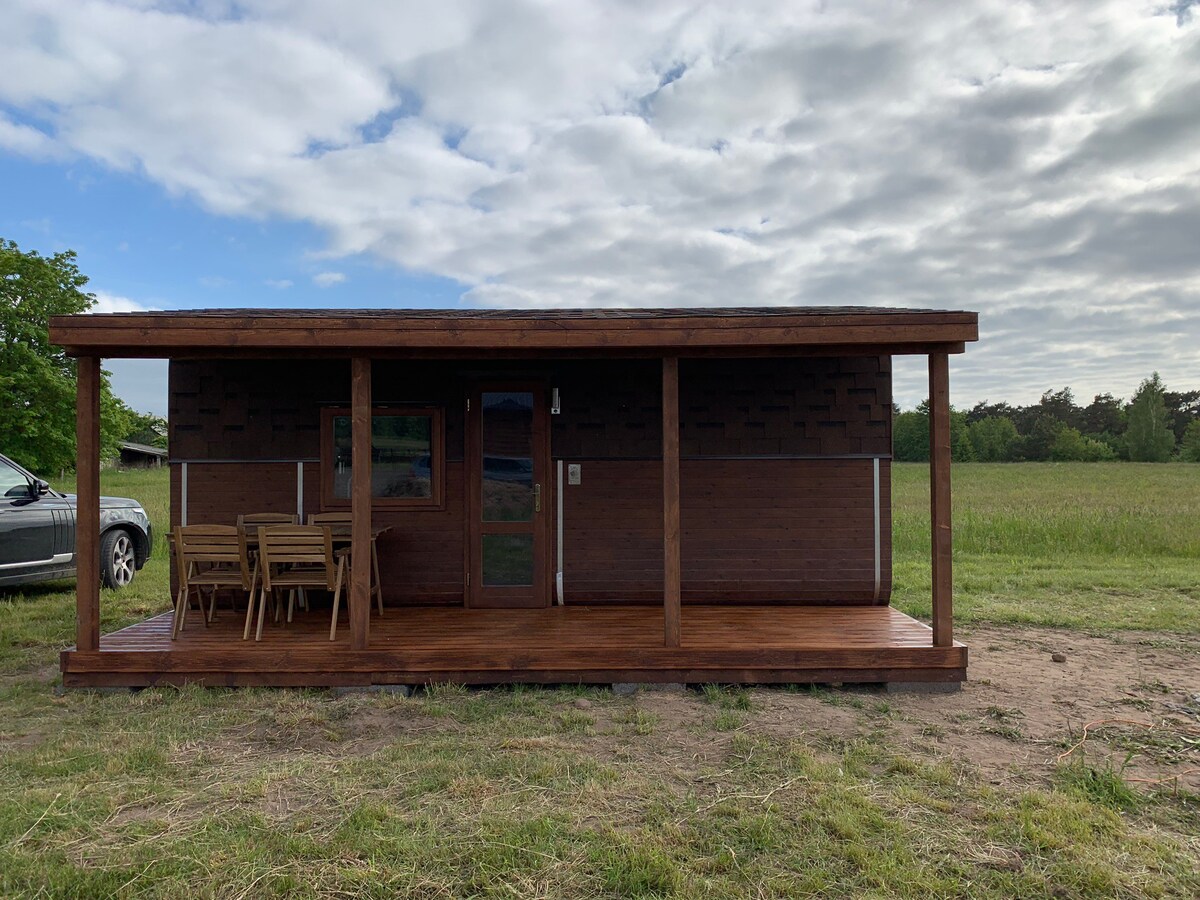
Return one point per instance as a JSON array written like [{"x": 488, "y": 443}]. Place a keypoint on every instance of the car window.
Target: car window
[{"x": 12, "y": 482}]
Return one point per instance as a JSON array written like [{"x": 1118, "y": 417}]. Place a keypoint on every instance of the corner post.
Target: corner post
[
  {"x": 939, "y": 499},
  {"x": 360, "y": 502},
  {"x": 671, "y": 551},
  {"x": 87, "y": 506}
]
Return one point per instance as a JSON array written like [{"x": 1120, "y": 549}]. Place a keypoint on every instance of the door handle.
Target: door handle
[{"x": 537, "y": 498}]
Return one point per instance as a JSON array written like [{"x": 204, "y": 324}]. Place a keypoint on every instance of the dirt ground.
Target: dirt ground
[{"x": 1019, "y": 710}]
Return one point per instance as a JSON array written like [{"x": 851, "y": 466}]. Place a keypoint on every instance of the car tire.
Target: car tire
[{"x": 118, "y": 558}]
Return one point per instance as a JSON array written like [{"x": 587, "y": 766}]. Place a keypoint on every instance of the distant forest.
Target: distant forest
[{"x": 1155, "y": 425}]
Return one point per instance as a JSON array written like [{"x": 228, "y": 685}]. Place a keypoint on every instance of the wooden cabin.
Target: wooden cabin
[{"x": 614, "y": 495}]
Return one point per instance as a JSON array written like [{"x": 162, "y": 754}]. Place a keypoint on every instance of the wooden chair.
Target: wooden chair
[
  {"x": 253, "y": 520},
  {"x": 213, "y": 557},
  {"x": 294, "y": 557},
  {"x": 343, "y": 520}
]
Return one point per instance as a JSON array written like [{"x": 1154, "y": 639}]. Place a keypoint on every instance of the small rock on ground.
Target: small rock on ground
[{"x": 1058, "y": 657}]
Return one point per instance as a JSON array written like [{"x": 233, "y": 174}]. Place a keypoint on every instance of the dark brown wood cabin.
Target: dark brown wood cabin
[{"x": 573, "y": 495}]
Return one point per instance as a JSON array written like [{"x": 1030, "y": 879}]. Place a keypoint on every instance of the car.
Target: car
[{"x": 37, "y": 532}]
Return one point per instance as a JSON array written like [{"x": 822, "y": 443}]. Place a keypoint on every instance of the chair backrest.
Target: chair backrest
[
  {"x": 220, "y": 545},
  {"x": 297, "y": 545},
  {"x": 330, "y": 518},
  {"x": 267, "y": 519}
]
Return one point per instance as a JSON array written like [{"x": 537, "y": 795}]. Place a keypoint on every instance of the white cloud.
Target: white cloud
[
  {"x": 279, "y": 284},
  {"x": 114, "y": 303},
  {"x": 328, "y": 279},
  {"x": 1039, "y": 162}
]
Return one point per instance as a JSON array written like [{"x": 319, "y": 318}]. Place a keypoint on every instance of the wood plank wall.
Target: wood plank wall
[{"x": 778, "y": 527}]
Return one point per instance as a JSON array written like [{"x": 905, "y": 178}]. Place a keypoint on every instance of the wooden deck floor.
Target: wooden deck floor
[{"x": 747, "y": 644}]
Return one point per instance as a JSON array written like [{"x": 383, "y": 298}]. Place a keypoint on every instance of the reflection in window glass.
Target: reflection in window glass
[
  {"x": 507, "y": 560},
  {"x": 507, "y": 456},
  {"x": 401, "y": 457},
  {"x": 12, "y": 482}
]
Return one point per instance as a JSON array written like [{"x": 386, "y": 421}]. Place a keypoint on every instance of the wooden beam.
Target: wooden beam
[
  {"x": 671, "y": 553},
  {"x": 360, "y": 332},
  {"x": 360, "y": 502},
  {"x": 939, "y": 499},
  {"x": 87, "y": 507}
]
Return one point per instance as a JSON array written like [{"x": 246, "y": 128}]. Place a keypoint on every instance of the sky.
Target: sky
[{"x": 1038, "y": 162}]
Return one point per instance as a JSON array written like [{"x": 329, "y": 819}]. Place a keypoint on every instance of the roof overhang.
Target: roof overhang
[{"x": 514, "y": 333}]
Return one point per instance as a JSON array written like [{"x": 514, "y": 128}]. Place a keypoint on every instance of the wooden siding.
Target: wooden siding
[
  {"x": 811, "y": 406},
  {"x": 753, "y": 530},
  {"x": 761, "y": 520}
]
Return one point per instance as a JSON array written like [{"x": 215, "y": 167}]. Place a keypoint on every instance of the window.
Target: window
[
  {"x": 12, "y": 483},
  {"x": 407, "y": 457}
]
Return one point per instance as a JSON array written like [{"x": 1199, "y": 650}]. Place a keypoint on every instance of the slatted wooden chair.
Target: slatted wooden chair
[
  {"x": 343, "y": 521},
  {"x": 293, "y": 557},
  {"x": 251, "y": 521},
  {"x": 213, "y": 557}
]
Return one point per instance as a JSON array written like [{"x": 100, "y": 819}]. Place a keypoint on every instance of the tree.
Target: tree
[
  {"x": 1070, "y": 445},
  {"x": 1149, "y": 437},
  {"x": 1184, "y": 408},
  {"x": 1039, "y": 437},
  {"x": 1060, "y": 406},
  {"x": 985, "y": 410},
  {"x": 994, "y": 439},
  {"x": 37, "y": 380},
  {"x": 1104, "y": 415},
  {"x": 147, "y": 428},
  {"x": 910, "y": 436},
  {"x": 1189, "y": 447}
]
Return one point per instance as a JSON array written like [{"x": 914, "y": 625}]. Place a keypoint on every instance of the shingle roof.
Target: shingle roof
[{"x": 541, "y": 314}]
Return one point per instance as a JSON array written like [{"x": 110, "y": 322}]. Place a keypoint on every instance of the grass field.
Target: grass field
[{"x": 577, "y": 793}]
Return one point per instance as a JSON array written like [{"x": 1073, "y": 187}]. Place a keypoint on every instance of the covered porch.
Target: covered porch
[{"x": 816, "y": 617}]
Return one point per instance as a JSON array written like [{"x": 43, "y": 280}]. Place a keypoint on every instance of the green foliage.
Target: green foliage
[
  {"x": 1146, "y": 429},
  {"x": 1189, "y": 448},
  {"x": 147, "y": 428},
  {"x": 1149, "y": 436},
  {"x": 910, "y": 436},
  {"x": 37, "y": 380},
  {"x": 994, "y": 439},
  {"x": 1071, "y": 446}
]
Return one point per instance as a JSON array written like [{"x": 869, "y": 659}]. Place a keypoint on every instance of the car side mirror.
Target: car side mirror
[{"x": 41, "y": 488}]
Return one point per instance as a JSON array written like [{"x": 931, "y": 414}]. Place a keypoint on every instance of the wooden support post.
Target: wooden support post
[
  {"x": 671, "y": 553},
  {"x": 939, "y": 499},
  {"x": 360, "y": 502},
  {"x": 87, "y": 504}
]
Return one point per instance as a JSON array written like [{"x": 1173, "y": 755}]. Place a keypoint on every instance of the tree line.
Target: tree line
[{"x": 1155, "y": 425}]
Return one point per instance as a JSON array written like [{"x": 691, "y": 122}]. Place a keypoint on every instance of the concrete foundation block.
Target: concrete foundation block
[
  {"x": 629, "y": 688},
  {"x": 398, "y": 690},
  {"x": 923, "y": 687}
]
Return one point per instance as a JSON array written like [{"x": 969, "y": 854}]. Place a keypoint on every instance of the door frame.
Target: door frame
[{"x": 538, "y": 594}]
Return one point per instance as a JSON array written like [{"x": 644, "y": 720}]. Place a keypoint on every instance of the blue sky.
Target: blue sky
[
  {"x": 137, "y": 243},
  {"x": 1036, "y": 161}
]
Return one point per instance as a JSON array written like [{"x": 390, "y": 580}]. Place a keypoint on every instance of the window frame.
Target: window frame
[{"x": 437, "y": 459}]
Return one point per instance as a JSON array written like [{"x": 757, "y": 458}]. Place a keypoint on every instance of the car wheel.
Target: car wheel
[{"x": 117, "y": 559}]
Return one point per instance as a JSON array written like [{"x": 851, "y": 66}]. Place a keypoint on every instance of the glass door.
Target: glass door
[{"x": 509, "y": 497}]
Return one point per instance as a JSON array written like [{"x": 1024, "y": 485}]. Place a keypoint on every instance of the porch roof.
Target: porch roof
[{"x": 516, "y": 333}]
